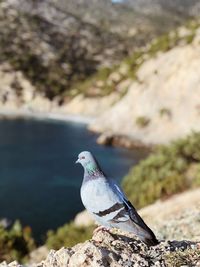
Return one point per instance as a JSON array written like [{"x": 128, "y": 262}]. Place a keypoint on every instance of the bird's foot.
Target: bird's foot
[{"x": 100, "y": 228}]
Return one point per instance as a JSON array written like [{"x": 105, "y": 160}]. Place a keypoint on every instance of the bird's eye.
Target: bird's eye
[{"x": 82, "y": 157}]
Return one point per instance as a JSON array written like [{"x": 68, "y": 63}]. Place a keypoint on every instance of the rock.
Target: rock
[
  {"x": 123, "y": 86},
  {"x": 114, "y": 77},
  {"x": 38, "y": 254},
  {"x": 105, "y": 139},
  {"x": 123, "y": 69},
  {"x": 56, "y": 258},
  {"x": 17, "y": 93},
  {"x": 120, "y": 250},
  {"x": 99, "y": 83},
  {"x": 183, "y": 32},
  {"x": 89, "y": 106},
  {"x": 39, "y": 104},
  {"x": 110, "y": 139},
  {"x": 12, "y": 264}
]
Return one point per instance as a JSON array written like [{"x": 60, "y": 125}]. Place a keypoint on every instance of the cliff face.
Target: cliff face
[{"x": 162, "y": 104}]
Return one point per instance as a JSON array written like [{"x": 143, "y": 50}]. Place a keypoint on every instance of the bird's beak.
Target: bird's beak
[{"x": 77, "y": 161}]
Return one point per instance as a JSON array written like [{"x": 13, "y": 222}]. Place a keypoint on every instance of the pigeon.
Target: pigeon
[{"x": 107, "y": 203}]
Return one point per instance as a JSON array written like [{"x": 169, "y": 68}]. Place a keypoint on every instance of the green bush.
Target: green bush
[
  {"x": 165, "y": 172},
  {"x": 16, "y": 243},
  {"x": 165, "y": 112},
  {"x": 142, "y": 121},
  {"x": 189, "y": 257},
  {"x": 190, "y": 38},
  {"x": 160, "y": 44},
  {"x": 68, "y": 235},
  {"x": 84, "y": 87},
  {"x": 134, "y": 62}
]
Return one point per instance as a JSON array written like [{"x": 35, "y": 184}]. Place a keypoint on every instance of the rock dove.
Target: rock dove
[{"x": 107, "y": 203}]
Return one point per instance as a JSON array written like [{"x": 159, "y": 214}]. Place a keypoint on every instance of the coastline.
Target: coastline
[
  {"x": 104, "y": 138},
  {"x": 22, "y": 113}
]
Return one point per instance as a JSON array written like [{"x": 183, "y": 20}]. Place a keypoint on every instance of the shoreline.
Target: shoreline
[
  {"x": 104, "y": 138},
  {"x": 45, "y": 116}
]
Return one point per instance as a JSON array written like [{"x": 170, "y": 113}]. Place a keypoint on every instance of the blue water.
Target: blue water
[{"x": 39, "y": 182}]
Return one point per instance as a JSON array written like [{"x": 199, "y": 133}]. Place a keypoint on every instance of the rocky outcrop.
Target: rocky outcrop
[
  {"x": 122, "y": 250},
  {"x": 118, "y": 250},
  {"x": 38, "y": 255}
]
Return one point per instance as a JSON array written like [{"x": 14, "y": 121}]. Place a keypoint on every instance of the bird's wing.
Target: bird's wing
[{"x": 133, "y": 215}]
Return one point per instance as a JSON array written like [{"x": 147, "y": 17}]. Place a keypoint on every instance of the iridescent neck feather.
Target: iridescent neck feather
[{"x": 92, "y": 171}]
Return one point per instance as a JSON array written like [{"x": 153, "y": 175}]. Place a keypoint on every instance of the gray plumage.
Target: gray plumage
[{"x": 107, "y": 203}]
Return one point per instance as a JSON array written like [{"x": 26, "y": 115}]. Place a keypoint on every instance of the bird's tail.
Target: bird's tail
[
  {"x": 146, "y": 234},
  {"x": 150, "y": 241}
]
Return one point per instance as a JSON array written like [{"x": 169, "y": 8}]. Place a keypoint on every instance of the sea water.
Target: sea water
[{"x": 39, "y": 180}]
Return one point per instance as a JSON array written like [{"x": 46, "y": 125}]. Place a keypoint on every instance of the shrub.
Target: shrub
[
  {"x": 84, "y": 87},
  {"x": 15, "y": 243},
  {"x": 190, "y": 38},
  {"x": 164, "y": 172},
  {"x": 68, "y": 235},
  {"x": 142, "y": 121},
  {"x": 189, "y": 257},
  {"x": 165, "y": 112}
]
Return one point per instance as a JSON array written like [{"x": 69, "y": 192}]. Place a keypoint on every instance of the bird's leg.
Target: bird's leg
[{"x": 100, "y": 228}]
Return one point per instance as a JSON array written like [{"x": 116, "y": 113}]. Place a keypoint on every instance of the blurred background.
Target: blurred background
[{"x": 120, "y": 78}]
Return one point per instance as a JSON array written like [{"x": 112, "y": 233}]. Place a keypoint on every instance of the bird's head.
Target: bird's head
[
  {"x": 86, "y": 158},
  {"x": 88, "y": 162},
  {"x": 90, "y": 165}
]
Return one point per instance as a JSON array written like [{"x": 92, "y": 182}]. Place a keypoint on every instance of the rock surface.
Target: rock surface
[
  {"x": 115, "y": 250},
  {"x": 163, "y": 104},
  {"x": 121, "y": 250},
  {"x": 38, "y": 255}
]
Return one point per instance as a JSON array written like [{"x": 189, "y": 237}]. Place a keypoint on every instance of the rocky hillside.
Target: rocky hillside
[
  {"x": 174, "y": 7},
  {"x": 53, "y": 47},
  {"x": 58, "y": 44},
  {"x": 129, "y": 17},
  {"x": 162, "y": 103},
  {"x": 145, "y": 97}
]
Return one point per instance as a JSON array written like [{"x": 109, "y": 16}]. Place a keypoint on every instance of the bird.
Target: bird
[{"x": 107, "y": 203}]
